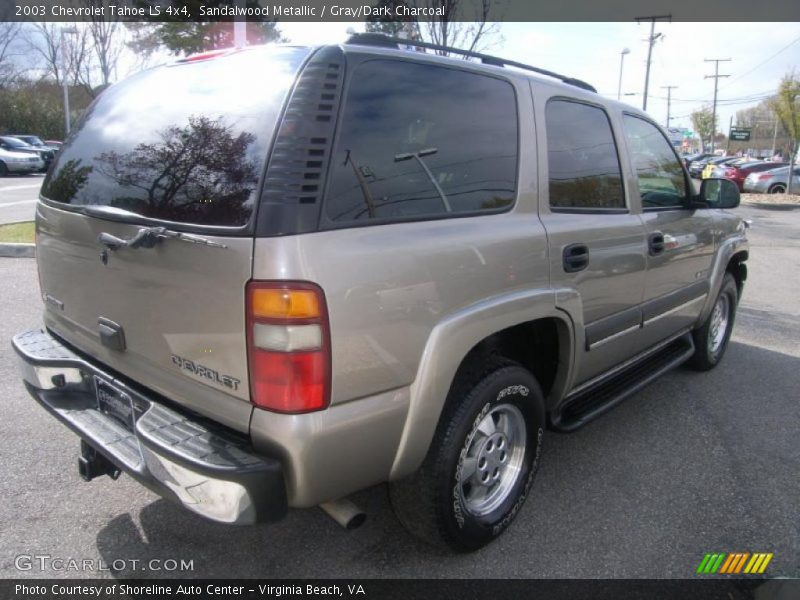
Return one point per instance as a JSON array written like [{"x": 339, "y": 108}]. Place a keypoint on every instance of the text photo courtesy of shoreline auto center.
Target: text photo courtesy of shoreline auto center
[{"x": 400, "y": 299}]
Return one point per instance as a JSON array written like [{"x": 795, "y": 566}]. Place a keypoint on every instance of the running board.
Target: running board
[{"x": 598, "y": 399}]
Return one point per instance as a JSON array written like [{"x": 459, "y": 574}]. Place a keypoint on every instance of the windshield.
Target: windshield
[
  {"x": 183, "y": 143},
  {"x": 32, "y": 140}
]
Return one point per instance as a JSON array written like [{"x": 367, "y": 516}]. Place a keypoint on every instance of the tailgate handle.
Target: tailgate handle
[{"x": 111, "y": 334}]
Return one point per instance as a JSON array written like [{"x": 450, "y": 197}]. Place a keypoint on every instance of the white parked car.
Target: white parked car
[{"x": 19, "y": 162}]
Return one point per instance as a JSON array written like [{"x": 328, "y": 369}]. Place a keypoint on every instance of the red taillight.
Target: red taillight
[
  {"x": 288, "y": 346},
  {"x": 207, "y": 55}
]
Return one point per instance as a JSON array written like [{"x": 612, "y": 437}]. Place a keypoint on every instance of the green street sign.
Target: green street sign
[
  {"x": 688, "y": 134},
  {"x": 740, "y": 134}
]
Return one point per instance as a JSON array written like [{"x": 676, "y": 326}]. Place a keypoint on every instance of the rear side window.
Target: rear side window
[
  {"x": 183, "y": 143},
  {"x": 583, "y": 163},
  {"x": 661, "y": 180},
  {"x": 420, "y": 141}
]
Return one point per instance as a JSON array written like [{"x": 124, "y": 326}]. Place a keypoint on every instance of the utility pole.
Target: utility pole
[
  {"x": 650, "y": 43},
  {"x": 728, "y": 145},
  {"x": 715, "y": 77},
  {"x": 669, "y": 89}
]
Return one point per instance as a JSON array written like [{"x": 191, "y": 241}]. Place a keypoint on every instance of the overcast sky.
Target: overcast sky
[{"x": 760, "y": 53}]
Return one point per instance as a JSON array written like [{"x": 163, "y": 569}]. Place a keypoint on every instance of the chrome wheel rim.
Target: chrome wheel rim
[
  {"x": 494, "y": 460},
  {"x": 719, "y": 324}
]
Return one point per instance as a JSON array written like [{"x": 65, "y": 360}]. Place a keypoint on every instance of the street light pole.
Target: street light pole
[
  {"x": 71, "y": 31},
  {"x": 621, "y": 62},
  {"x": 239, "y": 26}
]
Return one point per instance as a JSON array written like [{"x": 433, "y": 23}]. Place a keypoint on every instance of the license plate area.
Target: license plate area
[{"x": 114, "y": 403}]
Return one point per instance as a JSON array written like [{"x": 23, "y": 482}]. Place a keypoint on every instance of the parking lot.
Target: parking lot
[
  {"x": 695, "y": 463},
  {"x": 18, "y": 196}
]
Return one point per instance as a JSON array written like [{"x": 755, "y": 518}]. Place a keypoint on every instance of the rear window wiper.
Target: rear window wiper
[{"x": 147, "y": 237}]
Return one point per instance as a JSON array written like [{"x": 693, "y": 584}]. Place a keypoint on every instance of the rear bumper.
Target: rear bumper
[
  {"x": 208, "y": 470},
  {"x": 755, "y": 187}
]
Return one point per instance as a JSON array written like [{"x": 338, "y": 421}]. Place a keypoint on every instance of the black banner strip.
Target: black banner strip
[{"x": 359, "y": 11}]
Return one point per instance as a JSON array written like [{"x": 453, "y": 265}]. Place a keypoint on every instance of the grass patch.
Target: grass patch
[{"x": 17, "y": 233}]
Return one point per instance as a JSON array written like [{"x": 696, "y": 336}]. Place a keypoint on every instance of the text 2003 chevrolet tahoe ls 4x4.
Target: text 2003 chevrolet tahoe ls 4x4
[{"x": 278, "y": 275}]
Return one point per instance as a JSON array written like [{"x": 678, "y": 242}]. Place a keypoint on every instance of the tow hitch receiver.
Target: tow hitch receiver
[{"x": 92, "y": 464}]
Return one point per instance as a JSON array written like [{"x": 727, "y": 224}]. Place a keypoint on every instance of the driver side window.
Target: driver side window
[{"x": 662, "y": 183}]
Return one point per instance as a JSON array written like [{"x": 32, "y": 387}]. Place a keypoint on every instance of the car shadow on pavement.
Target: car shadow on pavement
[
  {"x": 305, "y": 540},
  {"x": 626, "y": 496}
]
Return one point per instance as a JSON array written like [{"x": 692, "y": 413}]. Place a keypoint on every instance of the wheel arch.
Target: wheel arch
[
  {"x": 738, "y": 268},
  {"x": 731, "y": 254},
  {"x": 495, "y": 326}
]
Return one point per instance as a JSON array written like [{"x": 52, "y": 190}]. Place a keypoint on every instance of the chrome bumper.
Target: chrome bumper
[{"x": 210, "y": 471}]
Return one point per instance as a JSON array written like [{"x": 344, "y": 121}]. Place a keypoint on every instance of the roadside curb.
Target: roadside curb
[
  {"x": 771, "y": 205},
  {"x": 17, "y": 250}
]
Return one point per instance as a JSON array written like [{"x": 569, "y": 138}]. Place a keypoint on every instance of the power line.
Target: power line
[
  {"x": 754, "y": 95},
  {"x": 738, "y": 77},
  {"x": 715, "y": 77}
]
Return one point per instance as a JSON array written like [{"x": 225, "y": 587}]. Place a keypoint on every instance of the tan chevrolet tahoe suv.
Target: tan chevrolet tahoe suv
[{"x": 275, "y": 276}]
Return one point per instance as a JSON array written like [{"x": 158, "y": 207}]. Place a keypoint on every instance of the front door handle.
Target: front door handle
[
  {"x": 655, "y": 243},
  {"x": 576, "y": 257}
]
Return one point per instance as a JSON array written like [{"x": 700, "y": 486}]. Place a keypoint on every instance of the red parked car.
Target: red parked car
[{"x": 737, "y": 173}]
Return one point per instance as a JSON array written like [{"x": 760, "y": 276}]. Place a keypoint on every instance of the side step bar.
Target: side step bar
[{"x": 591, "y": 402}]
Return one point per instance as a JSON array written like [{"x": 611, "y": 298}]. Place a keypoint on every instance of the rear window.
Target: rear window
[
  {"x": 420, "y": 141},
  {"x": 184, "y": 143}
]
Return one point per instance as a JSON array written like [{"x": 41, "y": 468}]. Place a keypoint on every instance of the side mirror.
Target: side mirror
[{"x": 719, "y": 193}]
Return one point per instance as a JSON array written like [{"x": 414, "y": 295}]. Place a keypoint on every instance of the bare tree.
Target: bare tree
[
  {"x": 107, "y": 46},
  {"x": 61, "y": 56},
  {"x": 9, "y": 34},
  {"x": 465, "y": 24},
  {"x": 786, "y": 105}
]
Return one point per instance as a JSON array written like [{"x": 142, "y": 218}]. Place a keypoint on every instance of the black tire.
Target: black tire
[
  {"x": 3, "y": 169},
  {"x": 710, "y": 344},
  {"x": 778, "y": 188},
  {"x": 431, "y": 503}
]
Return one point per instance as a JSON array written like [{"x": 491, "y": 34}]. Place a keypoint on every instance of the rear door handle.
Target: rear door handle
[
  {"x": 655, "y": 243},
  {"x": 575, "y": 257}
]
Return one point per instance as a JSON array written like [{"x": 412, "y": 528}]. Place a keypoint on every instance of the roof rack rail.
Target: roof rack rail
[{"x": 378, "y": 39}]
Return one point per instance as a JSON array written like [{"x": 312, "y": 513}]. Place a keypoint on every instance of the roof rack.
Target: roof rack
[{"x": 378, "y": 39}]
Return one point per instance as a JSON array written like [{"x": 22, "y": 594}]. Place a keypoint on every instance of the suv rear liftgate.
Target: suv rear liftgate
[{"x": 144, "y": 246}]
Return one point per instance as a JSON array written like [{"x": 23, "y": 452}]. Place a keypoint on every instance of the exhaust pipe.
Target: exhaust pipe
[{"x": 345, "y": 513}]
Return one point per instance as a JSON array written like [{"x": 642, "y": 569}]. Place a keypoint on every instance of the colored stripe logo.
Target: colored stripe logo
[{"x": 734, "y": 563}]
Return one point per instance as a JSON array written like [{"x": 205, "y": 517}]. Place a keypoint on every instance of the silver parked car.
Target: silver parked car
[
  {"x": 773, "y": 181},
  {"x": 275, "y": 276},
  {"x": 19, "y": 162},
  {"x": 15, "y": 144}
]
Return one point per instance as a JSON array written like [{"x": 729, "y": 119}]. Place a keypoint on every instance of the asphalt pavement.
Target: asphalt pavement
[
  {"x": 18, "y": 195},
  {"x": 695, "y": 463}
]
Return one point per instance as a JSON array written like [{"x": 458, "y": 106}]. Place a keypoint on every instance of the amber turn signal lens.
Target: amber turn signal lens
[{"x": 285, "y": 304}]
